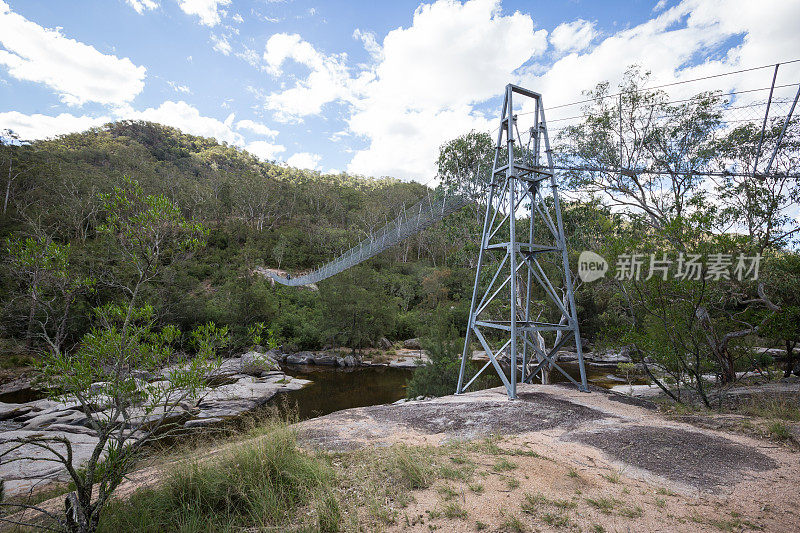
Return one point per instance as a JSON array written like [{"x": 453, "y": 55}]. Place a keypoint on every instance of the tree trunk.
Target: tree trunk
[
  {"x": 8, "y": 184},
  {"x": 31, "y": 315},
  {"x": 727, "y": 370},
  {"x": 789, "y": 358}
]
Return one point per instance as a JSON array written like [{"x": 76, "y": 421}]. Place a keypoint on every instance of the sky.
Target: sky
[{"x": 367, "y": 87}]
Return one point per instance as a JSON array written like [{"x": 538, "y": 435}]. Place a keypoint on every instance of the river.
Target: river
[{"x": 334, "y": 389}]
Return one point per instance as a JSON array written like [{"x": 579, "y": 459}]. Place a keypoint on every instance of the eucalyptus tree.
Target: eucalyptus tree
[
  {"x": 647, "y": 158},
  {"x": 126, "y": 375},
  {"x": 465, "y": 164},
  {"x": 757, "y": 203}
]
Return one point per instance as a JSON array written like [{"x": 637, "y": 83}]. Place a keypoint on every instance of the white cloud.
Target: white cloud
[
  {"x": 424, "y": 85},
  {"x": 668, "y": 44},
  {"x": 304, "y": 160},
  {"x": 221, "y": 44},
  {"x": 370, "y": 42},
  {"x": 142, "y": 5},
  {"x": 78, "y": 72},
  {"x": 573, "y": 36},
  {"x": 237, "y": 18},
  {"x": 209, "y": 11},
  {"x": 327, "y": 81},
  {"x": 179, "y": 88},
  {"x": 250, "y": 56},
  {"x": 188, "y": 119},
  {"x": 661, "y": 4},
  {"x": 264, "y": 150},
  {"x": 38, "y": 126},
  {"x": 256, "y": 127},
  {"x": 430, "y": 79}
]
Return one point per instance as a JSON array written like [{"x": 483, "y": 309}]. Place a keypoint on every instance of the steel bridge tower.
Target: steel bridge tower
[{"x": 531, "y": 287}]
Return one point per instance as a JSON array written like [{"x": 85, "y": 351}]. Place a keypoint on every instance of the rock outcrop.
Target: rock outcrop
[
  {"x": 412, "y": 344},
  {"x": 240, "y": 385}
]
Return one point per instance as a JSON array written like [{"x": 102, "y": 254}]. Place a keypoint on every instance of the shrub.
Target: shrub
[{"x": 439, "y": 377}]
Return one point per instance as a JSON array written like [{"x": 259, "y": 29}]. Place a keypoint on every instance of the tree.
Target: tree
[
  {"x": 144, "y": 233},
  {"x": 52, "y": 286},
  {"x": 653, "y": 149},
  {"x": 783, "y": 279},
  {"x": 646, "y": 157},
  {"x": 9, "y": 144},
  {"x": 465, "y": 166},
  {"x": 753, "y": 202},
  {"x": 355, "y": 309}
]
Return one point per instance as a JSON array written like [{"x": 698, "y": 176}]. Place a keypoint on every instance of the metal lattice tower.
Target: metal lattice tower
[{"x": 502, "y": 315}]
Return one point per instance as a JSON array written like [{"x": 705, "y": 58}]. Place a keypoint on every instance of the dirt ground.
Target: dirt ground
[
  {"x": 571, "y": 461},
  {"x": 557, "y": 459}
]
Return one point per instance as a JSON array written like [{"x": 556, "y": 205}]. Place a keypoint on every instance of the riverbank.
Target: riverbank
[{"x": 555, "y": 459}]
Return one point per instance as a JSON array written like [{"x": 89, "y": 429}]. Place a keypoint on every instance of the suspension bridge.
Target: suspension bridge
[{"x": 523, "y": 165}]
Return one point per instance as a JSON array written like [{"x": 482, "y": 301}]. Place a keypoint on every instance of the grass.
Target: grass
[
  {"x": 779, "y": 431},
  {"x": 512, "y": 523},
  {"x": 631, "y": 512},
  {"x": 512, "y": 483},
  {"x": 572, "y": 473},
  {"x": 258, "y": 483},
  {"x": 556, "y": 520},
  {"x": 724, "y": 524},
  {"x": 531, "y": 502},
  {"x": 604, "y": 505},
  {"x": 613, "y": 477},
  {"x": 454, "y": 510},
  {"x": 447, "y": 493},
  {"x": 504, "y": 465},
  {"x": 266, "y": 482},
  {"x": 477, "y": 488},
  {"x": 414, "y": 472},
  {"x": 781, "y": 409}
]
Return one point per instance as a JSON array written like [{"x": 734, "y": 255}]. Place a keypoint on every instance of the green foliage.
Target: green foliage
[
  {"x": 257, "y": 484},
  {"x": 438, "y": 377},
  {"x": 465, "y": 164},
  {"x": 103, "y": 372},
  {"x": 354, "y": 312}
]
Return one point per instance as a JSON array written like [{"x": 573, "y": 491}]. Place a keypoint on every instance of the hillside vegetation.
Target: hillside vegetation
[{"x": 259, "y": 214}]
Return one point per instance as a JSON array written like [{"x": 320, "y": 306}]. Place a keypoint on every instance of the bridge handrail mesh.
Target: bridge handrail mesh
[{"x": 434, "y": 207}]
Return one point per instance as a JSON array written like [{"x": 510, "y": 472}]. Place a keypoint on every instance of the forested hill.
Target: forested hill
[{"x": 259, "y": 214}]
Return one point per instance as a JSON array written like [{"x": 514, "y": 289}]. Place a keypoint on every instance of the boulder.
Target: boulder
[
  {"x": 567, "y": 356},
  {"x": 609, "y": 357},
  {"x": 26, "y": 467},
  {"x": 60, "y": 417},
  {"x": 201, "y": 422},
  {"x": 412, "y": 344},
  {"x": 256, "y": 363},
  {"x": 325, "y": 359},
  {"x": 10, "y": 411},
  {"x": 300, "y": 358},
  {"x": 348, "y": 360},
  {"x": 385, "y": 343},
  {"x": 229, "y": 367}
]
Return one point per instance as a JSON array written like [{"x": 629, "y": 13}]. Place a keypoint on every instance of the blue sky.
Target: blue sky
[{"x": 367, "y": 87}]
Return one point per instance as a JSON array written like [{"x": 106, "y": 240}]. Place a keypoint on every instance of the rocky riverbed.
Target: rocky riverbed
[{"x": 241, "y": 384}]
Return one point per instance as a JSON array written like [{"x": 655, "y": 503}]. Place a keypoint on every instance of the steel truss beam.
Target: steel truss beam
[{"x": 502, "y": 312}]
